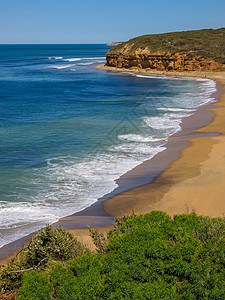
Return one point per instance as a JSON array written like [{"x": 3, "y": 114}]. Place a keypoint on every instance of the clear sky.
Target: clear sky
[{"x": 89, "y": 21}]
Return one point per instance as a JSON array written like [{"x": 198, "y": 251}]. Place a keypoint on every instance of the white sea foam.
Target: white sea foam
[
  {"x": 139, "y": 138},
  {"x": 72, "y": 59},
  {"x": 71, "y": 187},
  {"x": 55, "y": 57},
  {"x": 153, "y": 76},
  {"x": 20, "y": 219},
  {"x": 169, "y": 123},
  {"x": 63, "y": 67},
  {"x": 173, "y": 109},
  {"x": 11, "y": 211},
  {"x": 84, "y": 58},
  {"x": 150, "y": 76},
  {"x": 94, "y": 58},
  {"x": 147, "y": 76},
  {"x": 143, "y": 151},
  {"x": 89, "y": 63},
  {"x": 86, "y": 63}
]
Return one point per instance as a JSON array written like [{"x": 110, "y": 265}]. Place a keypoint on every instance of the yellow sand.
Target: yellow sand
[{"x": 83, "y": 235}]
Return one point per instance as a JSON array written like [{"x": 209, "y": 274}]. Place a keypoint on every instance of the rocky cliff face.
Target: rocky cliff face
[{"x": 143, "y": 59}]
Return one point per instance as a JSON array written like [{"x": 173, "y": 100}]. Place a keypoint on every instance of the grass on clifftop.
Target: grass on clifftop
[
  {"x": 149, "y": 256},
  {"x": 207, "y": 43}
]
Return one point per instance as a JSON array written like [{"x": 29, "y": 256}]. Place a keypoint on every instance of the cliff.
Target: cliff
[
  {"x": 168, "y": 62},
  {"x": 199, "y": 50}
]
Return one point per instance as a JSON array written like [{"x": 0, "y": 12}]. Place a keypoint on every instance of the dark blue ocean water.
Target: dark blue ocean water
[{"x": 67, "y": 130}]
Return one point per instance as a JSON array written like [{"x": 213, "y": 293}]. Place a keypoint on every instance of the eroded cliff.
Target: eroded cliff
[
  {"x": 200, "y": 50},
  {"x": 168, "y": 62}
]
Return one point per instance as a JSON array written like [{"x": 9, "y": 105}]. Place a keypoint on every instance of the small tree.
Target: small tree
[{"x": 49, "y": 245}]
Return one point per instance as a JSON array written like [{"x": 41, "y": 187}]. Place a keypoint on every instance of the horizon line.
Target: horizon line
[{"x": 54, "y": 43}]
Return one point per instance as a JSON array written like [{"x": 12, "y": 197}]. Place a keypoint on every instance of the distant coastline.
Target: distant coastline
[{"x": 114, "y": 44}]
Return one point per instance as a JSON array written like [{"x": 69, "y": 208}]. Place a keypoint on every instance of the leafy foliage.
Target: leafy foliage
[
  {"x": 35, "y": 283},
  {"x": 54, "y": 243},
  {"x": 207, "y": 43},
  {"x": 49, "y": 245},
  {"x": 148, "y": 256}
]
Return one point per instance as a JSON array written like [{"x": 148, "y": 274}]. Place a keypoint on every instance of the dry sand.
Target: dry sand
[{"x": 83, "y": 235}]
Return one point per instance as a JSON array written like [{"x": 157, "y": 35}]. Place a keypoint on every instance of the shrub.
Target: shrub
[
  {"x": 49, "y": 245},
  {"x": 145, "y": 257},
  {"x": 79, "y": 280},
  {"x": 53, "y": 243},
  {"x": 35, "y": 287}
]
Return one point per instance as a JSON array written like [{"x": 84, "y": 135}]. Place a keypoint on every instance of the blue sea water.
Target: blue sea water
[{"x": 68, "y": 131}]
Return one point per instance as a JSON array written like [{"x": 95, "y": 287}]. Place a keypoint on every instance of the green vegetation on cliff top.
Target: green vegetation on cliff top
[{"x": 207, "y": 43}]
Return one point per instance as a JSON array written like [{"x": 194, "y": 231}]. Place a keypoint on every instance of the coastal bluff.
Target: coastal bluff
[{"x": 198, "y": 50}]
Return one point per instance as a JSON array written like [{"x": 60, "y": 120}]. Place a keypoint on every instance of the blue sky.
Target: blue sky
[{"x": 89, "y": 21}]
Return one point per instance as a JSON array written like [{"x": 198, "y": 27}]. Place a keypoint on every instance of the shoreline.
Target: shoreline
[
  {"x": 194, "y": 181},
  {"x": 220, "y": 75},
  {"x": 100, "y": 214}
]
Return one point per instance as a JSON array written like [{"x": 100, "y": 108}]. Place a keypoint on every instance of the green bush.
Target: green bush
[
  {"x": 53, "y": 243},
  {"x": 144, "y": 257},
  {"x": 49, "y": 245},
  {"x": 35, "y": 287},
  {"x": 63, "y": 283}
]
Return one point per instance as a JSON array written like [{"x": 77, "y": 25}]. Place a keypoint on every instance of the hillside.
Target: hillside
[{"x": 186, "y": 50}]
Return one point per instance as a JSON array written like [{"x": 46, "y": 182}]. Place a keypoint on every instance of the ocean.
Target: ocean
[{"x": 68, "y": 131}]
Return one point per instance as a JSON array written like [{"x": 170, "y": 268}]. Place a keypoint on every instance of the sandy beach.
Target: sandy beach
[
  {"x": 188, "y": 176},
  {"x": 195, "y": 181},
  {"x": 191, "y": 170}
]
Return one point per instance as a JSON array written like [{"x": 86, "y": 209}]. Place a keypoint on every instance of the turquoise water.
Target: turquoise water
[{"x": 68, "y": 131}]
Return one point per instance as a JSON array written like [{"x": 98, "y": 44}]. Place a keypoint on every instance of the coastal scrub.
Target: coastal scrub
[
  {"x": 149, "y": 256},
  {"x": 47, "y": 247}
]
